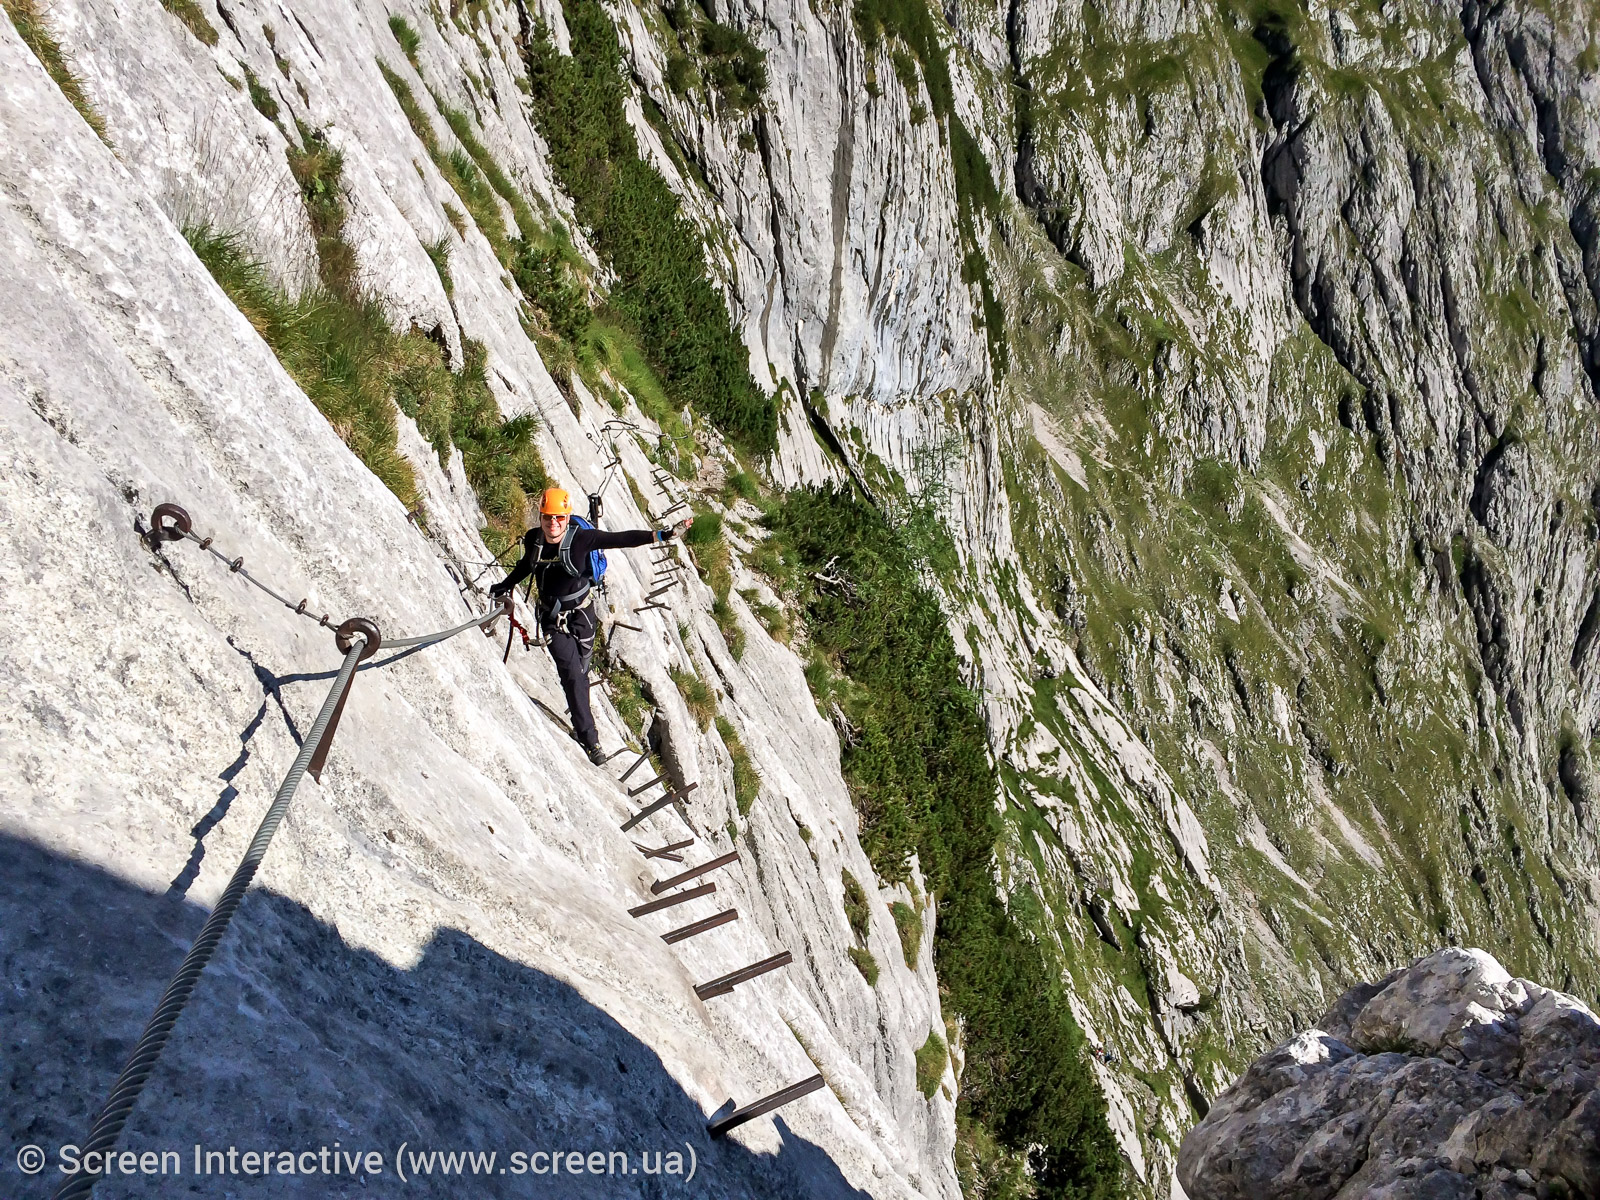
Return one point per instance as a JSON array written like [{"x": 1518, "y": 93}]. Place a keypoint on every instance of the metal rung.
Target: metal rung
[
  {"x": 637, "y": 763},
  {"x": 664, "y": 851},
  {"x": 724, "y": 984},
  {"x": 694, "y": 893},
  {"x": 661, "y": 591},
  {"x": 657, "y": 806},
  {"x": 669, "y": 856},
  {"x": 648, "y": 810},
  {"x": 652, "y": 604},
  {"x": 761, "y": 1107},
  {"x": 625, "y": 625},
  {"x": 645, "y": 787},
  {"x": 688, "y": 931},
  {"x": 695, "y": 872},
  {"x": 614, "y": 753}
]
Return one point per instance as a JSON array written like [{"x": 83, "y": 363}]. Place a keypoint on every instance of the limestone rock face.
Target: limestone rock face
[
  {"x": 1449, "y": 1078},
  {"x": 1267, "y": 466}
]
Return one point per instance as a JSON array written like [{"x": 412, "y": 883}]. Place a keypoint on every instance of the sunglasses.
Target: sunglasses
[{"x": 553, "y": 517}]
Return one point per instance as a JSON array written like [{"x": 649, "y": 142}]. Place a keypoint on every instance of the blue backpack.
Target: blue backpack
[{"x": 597, "y": 558}]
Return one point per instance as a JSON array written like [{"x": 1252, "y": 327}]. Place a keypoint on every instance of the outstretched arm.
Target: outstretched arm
[{"x": 586, "y": 540}]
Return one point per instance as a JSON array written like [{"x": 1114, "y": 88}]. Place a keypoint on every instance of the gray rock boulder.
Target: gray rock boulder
[{"x": 1447, "y": 1079}]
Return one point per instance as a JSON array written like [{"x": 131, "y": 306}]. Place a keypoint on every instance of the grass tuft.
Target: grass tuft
[
  {"x": 439, "y": 254},
  {"x": 408, "y": 37},
  {"x": 630, "y": 696},
  {"x": 697, "y": 694},
  {"x": 857, "y": 908},
  {"x": 746, "y": 780},
  {"x": 35, "y": 34},
  {"x": 191, "y": 15},
  {"x": 261, "y": 96}
]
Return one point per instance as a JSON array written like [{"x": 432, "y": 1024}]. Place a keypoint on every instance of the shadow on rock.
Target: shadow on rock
[{"x": 295, "y": 1041}]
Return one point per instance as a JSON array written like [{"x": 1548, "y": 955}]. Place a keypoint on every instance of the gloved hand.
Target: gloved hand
[
  {"x": 672, "y": 531},
  {"x": 498, "y": 591}
]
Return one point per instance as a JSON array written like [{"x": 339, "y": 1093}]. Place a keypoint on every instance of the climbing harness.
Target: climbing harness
[{"x": 357, "y": 639}]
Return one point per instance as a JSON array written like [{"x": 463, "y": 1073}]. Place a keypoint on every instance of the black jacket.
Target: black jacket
[{"x": 542, "y": 560}]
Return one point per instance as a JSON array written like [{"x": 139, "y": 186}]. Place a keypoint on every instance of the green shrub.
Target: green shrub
[
  {"x": 680, "y": 74},
  {"x": 408, "y": 37},
  {"x": 735, "y": 65},
  {"x": 1026, "y": 1092},
  {"x": 932, "y": 1059},
  {"x": 857, "y": 908},
  {"x": 908, "y": 921},
  {"x": 661, "y": 291},
  {"x": 35, "y": 34},
  {"x": 866, "y": 964},
  {"x": 544, "y": 276}
]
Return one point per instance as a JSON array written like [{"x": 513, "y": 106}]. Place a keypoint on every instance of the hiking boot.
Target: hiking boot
[{"x": 596, "y": 755}]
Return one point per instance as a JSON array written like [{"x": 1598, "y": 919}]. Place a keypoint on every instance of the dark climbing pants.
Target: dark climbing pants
[{"x": 571, "y": 640}]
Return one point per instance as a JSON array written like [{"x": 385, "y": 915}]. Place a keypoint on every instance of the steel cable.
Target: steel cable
[
  {"x": 180, "y": 529},
  {"x": 119, "y": 1107}
]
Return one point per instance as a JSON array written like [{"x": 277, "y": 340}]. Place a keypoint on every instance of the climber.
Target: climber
[{"x": 562, "y": 556}]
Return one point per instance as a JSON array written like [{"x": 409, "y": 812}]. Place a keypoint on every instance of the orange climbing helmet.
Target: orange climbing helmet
[{"x": 556, "y": 502}]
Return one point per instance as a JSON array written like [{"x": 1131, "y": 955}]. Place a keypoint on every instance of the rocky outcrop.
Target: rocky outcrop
[{"x": 1446, "y": 1079}]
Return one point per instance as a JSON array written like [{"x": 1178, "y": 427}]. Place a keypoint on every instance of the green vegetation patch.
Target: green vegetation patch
[
  {"x": 630, "y": 695},
  {"x": 544, "y": 265},
  {"x": 746, "y": 780},
  {"x": 35, "y": 34},
  {"x": 713, "y": 558},
  {"x": 932, "y": 1058},
  {"x": 865, "y": 963},
  {"x": 662, "y": 294},
  {"x": 1026, "y": 1091},
  {"x": 720, "y": 57},
  {"x": 908, "y": 923},
  {"x": 261, "y": 96}
]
